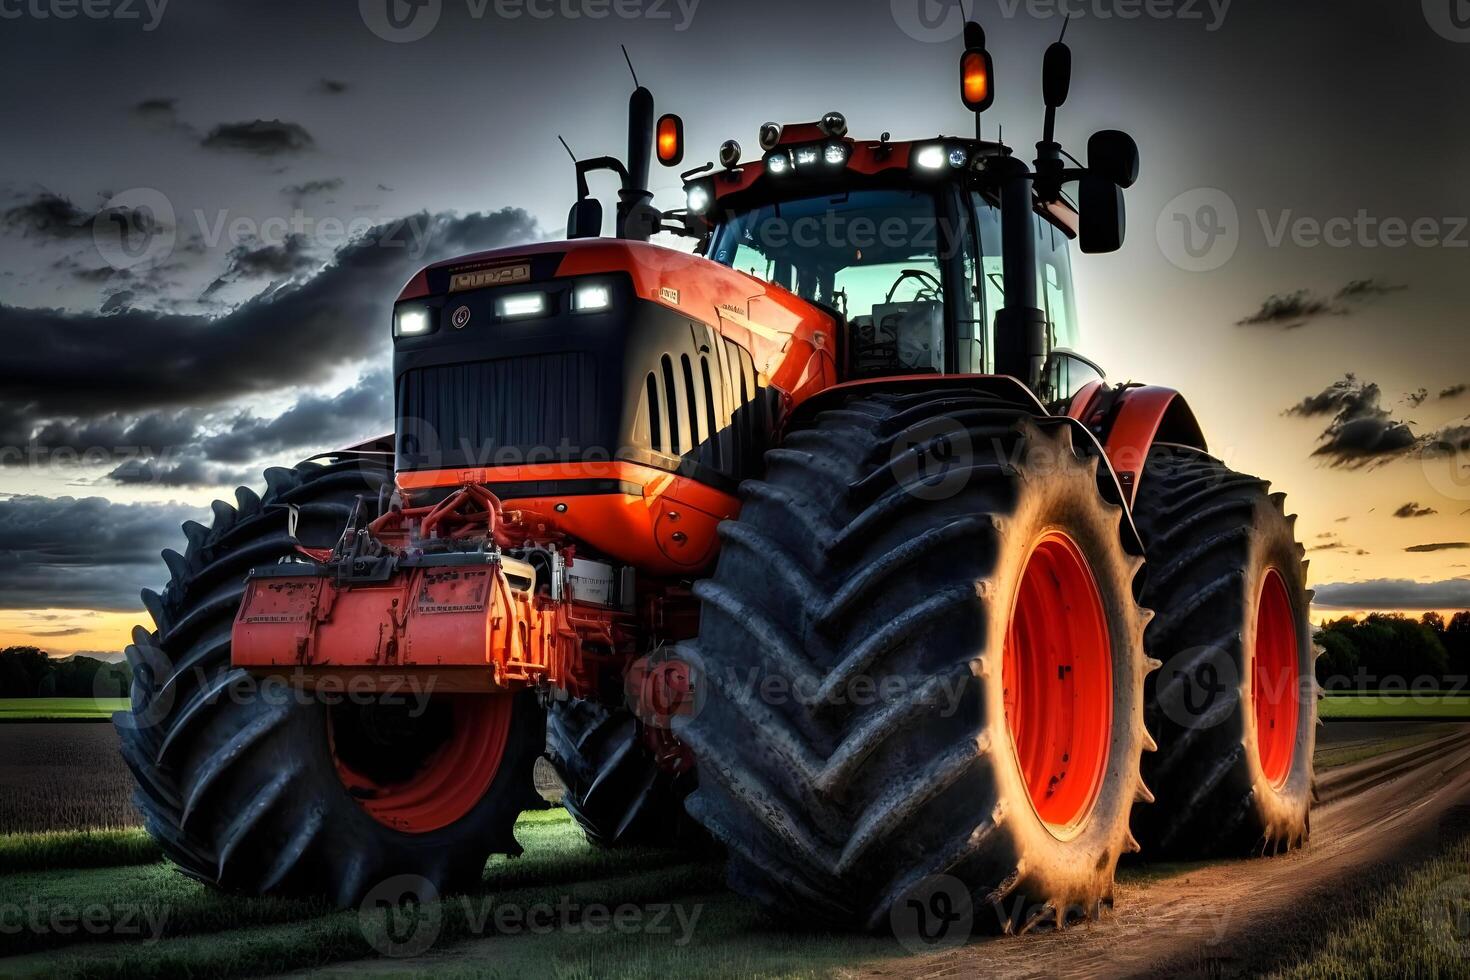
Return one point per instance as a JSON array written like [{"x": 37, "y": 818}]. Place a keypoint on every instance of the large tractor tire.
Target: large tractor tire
[
  {"x": 1234, "y": 706},
  {"x": 920, "y": 666},
  {"x": 255, "y": 787},
  {"x": 615, "y": 789}
]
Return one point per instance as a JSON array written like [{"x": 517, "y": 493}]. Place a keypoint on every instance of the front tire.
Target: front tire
[
  {"x": 888, "y": 669},
  {"x": 250, "y": 787},
  {"x": 615, "y": 789},
  {"x": 1233, "y": 707}
]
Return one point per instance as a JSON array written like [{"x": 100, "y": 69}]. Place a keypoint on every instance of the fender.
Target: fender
[
  {"x": 1002, "y": 386},
  {"x": 1130, "y": 420},
  {"x": 1109, "y": 481}
]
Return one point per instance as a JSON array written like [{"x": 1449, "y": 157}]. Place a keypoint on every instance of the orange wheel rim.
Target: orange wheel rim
[
  {"x": 1058, "y": 683},
  {"x": 1274, "y": 679},
  {"x": 451, "y": 780}
]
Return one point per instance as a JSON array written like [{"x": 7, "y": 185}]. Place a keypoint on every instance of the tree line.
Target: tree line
[
  {"x": 1390, "y": 651},
  {"x": 27, "y": 672}
]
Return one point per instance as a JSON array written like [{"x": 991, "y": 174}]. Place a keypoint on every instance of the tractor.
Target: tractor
[{"x": 820, "y": 543}]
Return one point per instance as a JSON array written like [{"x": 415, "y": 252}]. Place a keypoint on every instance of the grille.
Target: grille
[{"x": 502, "y": 412}]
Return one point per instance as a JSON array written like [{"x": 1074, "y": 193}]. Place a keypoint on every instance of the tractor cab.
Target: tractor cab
[{"x": 902, "y": 242}]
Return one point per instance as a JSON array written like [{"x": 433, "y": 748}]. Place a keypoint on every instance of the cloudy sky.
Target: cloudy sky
[{"x": 206, "y": 208}]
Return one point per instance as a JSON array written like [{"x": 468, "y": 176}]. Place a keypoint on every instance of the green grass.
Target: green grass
[
  {"x": 52, "y": 850},
  {"x": 1421, "y": 706},
  {"x": 1419, "y": 927},
  {"x": 60, "y": 709},
  {"x": 203, "y": 932}
]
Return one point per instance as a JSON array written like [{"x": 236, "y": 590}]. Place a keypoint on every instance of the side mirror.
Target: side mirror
[
  {"x": 1101, "y": 214},
  {"x": 1114, "y": 155},
  {"x": 585, "y": 219}
]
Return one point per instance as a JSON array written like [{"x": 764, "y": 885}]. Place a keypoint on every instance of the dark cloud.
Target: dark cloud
[
  {"x": 262, "y": 137},
  {"x": 1439, "y": 546},
  {"x": 327, "y": 185},
  {"x": 68, "y": 365},
  {"x": 49, "y": 215},
  {"x": 118, "y": 301},
  {"x": 89, "y": 553},
  {"x": 183, "y": 471},
  {"x": 1454, "y": 391},
  {"x": 1394, "y": 594},
  {"x": 1292, "y": 310},
  {"x": 1361, "y": 432},
  {"x": 362, "y": 411},
  {"x": 1417, "y": 398},
  {"x": 287, "y": 257},
  {"x": 1365, "y": 289},
  {"x": 162, "y": 114},
  {"x": 1447, "y": 441},
  {"x": 1414, "y": 510},
  {"x": 331, "y": 86},
  {"x": 73, "y": 267},
  {"x": 157, "y": 108}
]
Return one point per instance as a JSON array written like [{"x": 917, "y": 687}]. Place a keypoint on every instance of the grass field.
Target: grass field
[
  {"x": 1419, "y": 706},
  {"x": 155, "y": 922},
  {"x": 1419, "y": 927},
  {"x": 60, "y": 709}
]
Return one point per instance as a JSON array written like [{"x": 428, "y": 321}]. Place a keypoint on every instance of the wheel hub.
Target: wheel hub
[{"x": 1058, "y": 683}]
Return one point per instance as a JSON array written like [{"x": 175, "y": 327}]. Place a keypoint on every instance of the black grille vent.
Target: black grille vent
[
  {"x": 487, "y": 413},
  {"x": 707, "y": 408}
]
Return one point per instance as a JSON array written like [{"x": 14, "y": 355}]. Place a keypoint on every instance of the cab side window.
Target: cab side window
[{"x": 1054, "y": 286}]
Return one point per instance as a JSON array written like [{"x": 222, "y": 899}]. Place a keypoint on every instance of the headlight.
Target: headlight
[
  {"x": 411, "y": 321},
  {"x": 778, "y": 163},
  {"x": 958, "y": 156},
  {"x": 590, "y": 297},
  {"x": 807, "y": 156},
  {"x": 698, "y": 199},
  {"x": 930, "y": 158},
  {"x": 520, "y": 305},
  {"x": 836, "y": 154}
]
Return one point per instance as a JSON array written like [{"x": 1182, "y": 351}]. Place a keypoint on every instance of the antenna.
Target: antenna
[
  {"x": 567, "y": 148},
  {"x": 1063, "y": 36},
  {"x": 634, "y": 73}
]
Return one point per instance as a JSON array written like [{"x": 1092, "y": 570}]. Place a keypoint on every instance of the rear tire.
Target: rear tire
[
  {"x": 237, "y": 778},
  {"x": 851, "y": 733},
  {"x": 615, "y": 790},
  {"x": 1233, "y": 708}
]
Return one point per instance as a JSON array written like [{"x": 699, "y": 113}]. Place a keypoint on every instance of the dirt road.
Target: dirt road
[{"x": 1236, "y": 918}]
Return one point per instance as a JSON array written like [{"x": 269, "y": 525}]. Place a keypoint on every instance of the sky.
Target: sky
[{"x": 207, "y": 208}]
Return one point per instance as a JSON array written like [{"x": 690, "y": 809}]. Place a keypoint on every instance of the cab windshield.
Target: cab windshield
[{"x": 871, "y": 255}]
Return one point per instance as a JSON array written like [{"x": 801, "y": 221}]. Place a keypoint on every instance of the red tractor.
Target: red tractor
[{"x": 822, "y": 539}]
